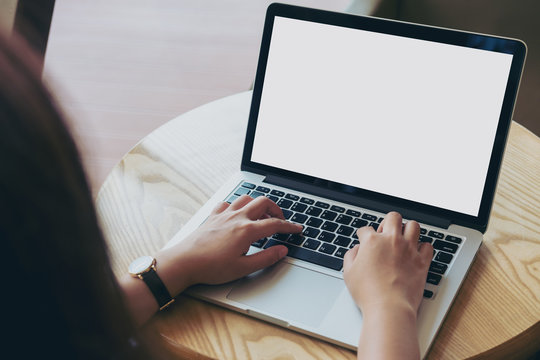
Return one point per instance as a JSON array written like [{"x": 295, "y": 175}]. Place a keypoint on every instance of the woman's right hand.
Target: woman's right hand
[
  {"x": 389, "y": 265},
  {"x": 386, "y": 274}
]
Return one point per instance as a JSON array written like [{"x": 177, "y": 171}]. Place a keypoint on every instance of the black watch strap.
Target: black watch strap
[{"x": 157, "y": 288}]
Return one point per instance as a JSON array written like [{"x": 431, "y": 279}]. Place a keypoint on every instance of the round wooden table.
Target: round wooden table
[{"x": 164, "y": 180}]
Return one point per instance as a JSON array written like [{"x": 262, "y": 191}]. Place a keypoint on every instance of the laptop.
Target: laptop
[{"x": 352, "y": 117}]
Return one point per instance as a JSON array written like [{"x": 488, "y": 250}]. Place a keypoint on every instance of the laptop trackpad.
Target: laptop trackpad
[{"x": 291, "y": 293}]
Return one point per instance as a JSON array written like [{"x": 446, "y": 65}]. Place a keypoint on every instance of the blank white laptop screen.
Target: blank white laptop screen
[{"x": 409, "y": 118}]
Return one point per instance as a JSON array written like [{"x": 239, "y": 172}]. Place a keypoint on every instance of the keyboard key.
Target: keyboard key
[
  {"x": 444, "y": 257},
  {"x": 299, "y": 207},
  {"x": 299, "y": 218},
  {"x": 281, "y": 237},
  {"x": 241, "y": 191},
  {"x": 424, "y": 238},
  {"x": 273, "y": 198},
  {"x": 345, "y": 230},
  {"x": 277, "y": 193},
  {"x": 369, "y": 217},
  {"x": 328, "y": 215},
  {"x": 433, "y": 278},
  {"x": 259, "y": 243},
  {"x": 428, "y": 294},
  {"x": 322, "y": 204},
  {"x": 438, "y": 267},
  {"x": 342, "y": 241},
  {"x": 338, "y": 209},
  {"x": 327, "y": 236},
  {"x": 292, "y": 197},
  {"x": 314, "y": 211},
  {"x": 340, "y": 252},
  {"x": 344, "y": 219},
  {"x": 296, "y": 239},
  {"x": 379, "y": 220},
  {"x": 310, "y": 256},
  {"x": 307, "y": 201},
  {"x": 311, "y": 232},
  {"x": 355, "y": 242},
  {"x": 445, "y": 246},
  {"x": 358, "y": 223},
  {"x": 315, "y": 222},
  {"x": 327, "y": 248},
  {"x": 353, "y": 213},
  {"x": 263, "y": 189},
  {"x": 272, "y": 242},
  {"x": 311, "y": 244},
  {"x": 374, "y": 225},
  {"x": 287, "y": 214},
  {"x": 423, "y": 231},
  {"x": 453, "y": 239},
  {"x": 284, "y": 203},
  {"x": 436, "y": 234},
  {"x": 256, "y": 194},
  {"x": 329, "y": 226},
  {"x": 232, "y": 198},
  {"x": 248, "y": 185}
]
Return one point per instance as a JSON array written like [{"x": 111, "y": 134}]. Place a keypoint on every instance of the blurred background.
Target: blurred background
[{"x": 121, "y": 68}]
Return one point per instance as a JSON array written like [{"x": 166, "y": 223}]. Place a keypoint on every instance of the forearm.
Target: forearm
[
  {"x": 389, "y": 333},
  {"x": 139, "y": 300}
]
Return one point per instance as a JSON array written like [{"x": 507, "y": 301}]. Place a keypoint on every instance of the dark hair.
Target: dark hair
[{"x": 61, "y": 297}]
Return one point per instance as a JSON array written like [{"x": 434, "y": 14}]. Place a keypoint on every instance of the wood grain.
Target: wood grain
[{"x": 165, "y": 178}]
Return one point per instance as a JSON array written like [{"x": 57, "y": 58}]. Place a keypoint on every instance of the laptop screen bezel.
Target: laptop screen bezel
[{"x": 391, "y": 27}]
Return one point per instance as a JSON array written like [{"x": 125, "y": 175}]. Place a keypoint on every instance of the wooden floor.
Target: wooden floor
[{"x": 121, "y": 68}]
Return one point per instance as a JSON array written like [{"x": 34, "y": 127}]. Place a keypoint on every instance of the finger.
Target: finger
[
  {"x": 240, "y": 202},
  {"x": 349, "y": 257},
  {"x": 263, "y": 206},
  {"x": 219, "y": 208},
  {"x": 391, "y": 223},
  {"x": 426, "y": 253},
  {"x": 364, "y": 232},
  {"x": 411, "y": 232},
  {"x": 270, "y": 226},
  {"x": 262, "y": 259}
]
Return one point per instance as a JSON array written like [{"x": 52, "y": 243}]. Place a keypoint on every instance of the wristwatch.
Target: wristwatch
[{"x": 144, "y": 268}]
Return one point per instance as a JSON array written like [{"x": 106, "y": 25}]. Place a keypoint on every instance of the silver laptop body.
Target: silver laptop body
[{"x": 336, "y": 98}]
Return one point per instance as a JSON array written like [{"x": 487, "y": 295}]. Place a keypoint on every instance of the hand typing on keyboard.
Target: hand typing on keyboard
[
  {"x": 385, "y": 275},
  {"x": 215, "y": 252}
]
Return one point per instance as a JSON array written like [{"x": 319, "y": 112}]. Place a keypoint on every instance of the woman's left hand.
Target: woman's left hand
[{"x": 216, "y": 252}]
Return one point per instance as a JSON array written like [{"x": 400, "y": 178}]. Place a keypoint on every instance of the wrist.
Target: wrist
[
  {"x": 149, "y": 290},
  {"x": 175, "y": 271},
  {"x": 389, "y": 331},
  {"x": 390, "y": 307}
]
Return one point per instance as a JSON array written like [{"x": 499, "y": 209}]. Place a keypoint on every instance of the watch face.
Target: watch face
[{"x": 140, "y": 265}]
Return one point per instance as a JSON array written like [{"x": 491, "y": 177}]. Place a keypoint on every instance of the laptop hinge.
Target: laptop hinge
[{"x": 354, "y": 200}]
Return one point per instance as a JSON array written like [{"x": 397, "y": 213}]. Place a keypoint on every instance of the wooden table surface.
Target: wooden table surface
[{"x": 164, "y": 179}]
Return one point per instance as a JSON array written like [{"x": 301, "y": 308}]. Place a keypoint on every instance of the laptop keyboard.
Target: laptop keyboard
[{"x": 330, "y": 231}]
